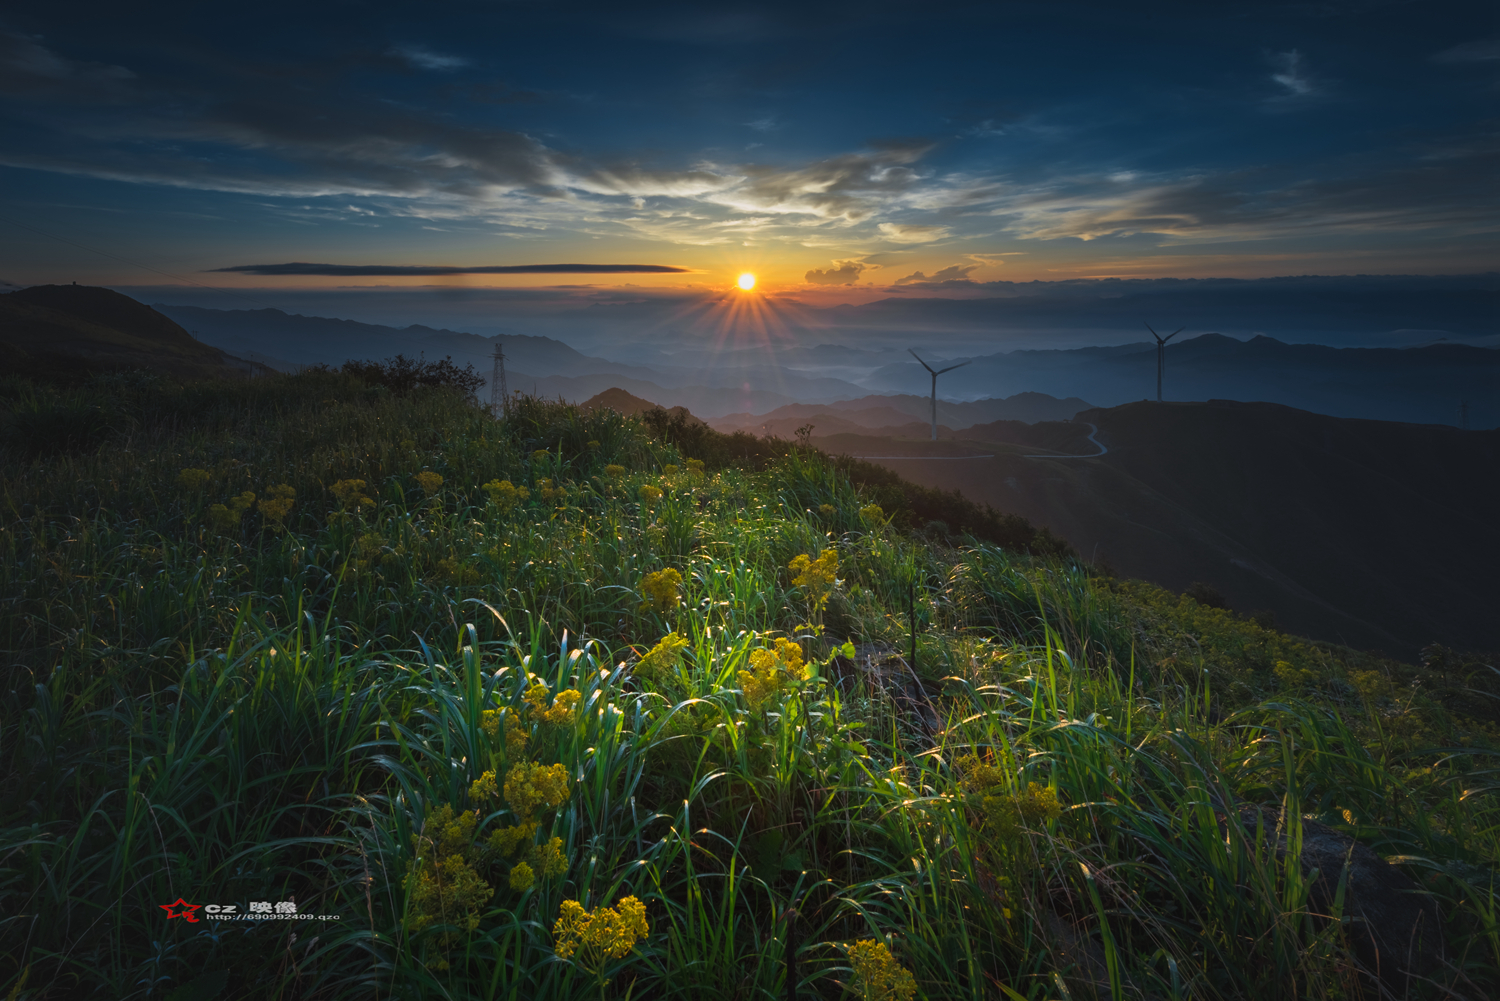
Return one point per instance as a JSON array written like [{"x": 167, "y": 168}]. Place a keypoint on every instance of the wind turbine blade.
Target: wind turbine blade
[
  {"x": 1153, "y": 332},
  {"x": 1173, "y": 334},
  {"x": 919, "y": 358},
  {"x": 951, "y": 367}
]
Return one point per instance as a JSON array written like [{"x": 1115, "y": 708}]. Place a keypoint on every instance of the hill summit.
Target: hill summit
[{"x": 70, "y": 330}]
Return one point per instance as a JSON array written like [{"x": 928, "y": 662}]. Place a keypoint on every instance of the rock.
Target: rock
[{"x": 1395, "y": 928}]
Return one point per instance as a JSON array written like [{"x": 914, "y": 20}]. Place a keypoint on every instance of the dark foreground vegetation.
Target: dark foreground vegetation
[{"x": 569, "y": 705}]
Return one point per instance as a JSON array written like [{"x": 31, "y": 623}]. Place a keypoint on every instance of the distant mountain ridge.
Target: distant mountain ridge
[{"x": 1376, "y": 534}]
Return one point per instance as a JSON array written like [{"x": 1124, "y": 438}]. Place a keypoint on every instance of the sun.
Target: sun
[{"x": 747, "y": 281}]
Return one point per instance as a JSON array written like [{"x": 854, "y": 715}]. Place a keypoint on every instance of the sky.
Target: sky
[{"x": 841, "y": 152}]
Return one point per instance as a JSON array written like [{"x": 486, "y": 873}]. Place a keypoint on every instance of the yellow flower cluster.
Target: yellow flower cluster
[
  {"x": 551, "y": 494},
  {"x": 607, "y": 933},
  {"x": 540, "y": 455},
  {"x": 769, "y": 669},
  {"x": 669, "y": 470},
  {"x": 506, "y": 495},
  {"x": 1293, "y": 677},
  {"x": 193, "y": 479},
  {"x": 816, "y": 577},
  {"x": 662, "y": 658},
  {"x": 650, "y": 494},
  {"x": 456, "y": 571},
  {"x": 1371, "y": 685},
  {"x": 529, "y": 785},
  {"x": 877, "y": 975},
  {"x": 443, "y": 886},
  {"x": 279, "y": 504},
  {"x": 872, "y": 515},
  {"x": 428, "y": 481},
  {"x": 661, "y": 590},
  {"x": 827, "y": 510},
  {"x": 695, "y": 467},
  {"x": 564, "y": 708},
  {"x": 614, "y": 472},
  {"x": 1004, "y": 813},
  {"x": 351, "y": 494},
  {"x": 226, "y": 517}
]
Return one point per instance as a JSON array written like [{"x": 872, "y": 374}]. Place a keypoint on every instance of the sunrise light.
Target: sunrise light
[{"x": 747, "y": 281}]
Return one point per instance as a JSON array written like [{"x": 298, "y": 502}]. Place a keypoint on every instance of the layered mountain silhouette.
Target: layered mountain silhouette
[
  {"x": 1376, "y": 534},
  {"x": 67, "y": 331}
]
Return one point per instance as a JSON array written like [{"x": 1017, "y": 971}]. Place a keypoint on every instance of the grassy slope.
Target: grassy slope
[
  {"x": 1365, "y": 532},
  {"x": 237, "y": 709},
  {"x": 52, "y": 328}
]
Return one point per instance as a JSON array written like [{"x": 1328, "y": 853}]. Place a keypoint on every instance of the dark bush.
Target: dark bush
[{"x": 402, "y": 375}]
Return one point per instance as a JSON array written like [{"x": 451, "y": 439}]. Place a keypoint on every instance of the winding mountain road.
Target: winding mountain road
[{"x": 1093, "y": 430}]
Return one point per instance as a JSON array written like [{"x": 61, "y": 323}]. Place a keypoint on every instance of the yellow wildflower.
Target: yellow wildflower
[
  {"x": 593, "y": 444},
  {"x": 489, "y": 721},
  {"x": 769, "y": 669},
  {"x": 607, "y": 933},
  {"x": 1293, "y": 677},
  {"x": 663, "y": 657},
  {"x": 351, "y": 494},
  {"x": 279, "y": 504},
  {"x": 614, "y": 472},
  {"x": 816, "y": 577},
  {"x": 877, "y": 975},
  {"x": 650, "y": 494},
  {"x": 521, "y": 877},
  {"x": 529, "y": 785},
  {"x": 827, "y": 509},
  {"x": 193, "y": 479},
  {"x": 695, "y": 467},
  {"x": 669, "y": 470},
  {"x": 564, "y": 708},
  {"x": 551, "y": 862},
  {"x": 551, "y": 494},
  {"x": 484, "y": 788},
  {"x": 872, "y": 515},
  {"x": 1371, "y": 685},
  {"x": 507, "y": 840},
  {"x": 443, "y": 887},
  {"x": 226, "y": 517},
  {"x": 540, "y": 455},
  {"x": 661, "y": 590},
  {"x": 505, "y": 495},
  {"x": 428, "y": 481}
]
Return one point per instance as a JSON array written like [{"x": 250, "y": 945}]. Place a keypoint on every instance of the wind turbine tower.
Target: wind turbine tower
[
  {"x": 934, "y": 385},
  {"x": 499, "y": 398},
  {"x": 1161, "y": 354}
]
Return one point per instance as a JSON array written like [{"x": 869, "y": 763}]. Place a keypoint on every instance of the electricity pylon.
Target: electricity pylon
[
  {"x": 934, "y": 385},
  {"x": 1161, "y": 354}
]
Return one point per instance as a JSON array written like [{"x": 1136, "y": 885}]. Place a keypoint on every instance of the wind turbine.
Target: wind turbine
[
  {"x": 934, "y": 385},
  {"x": 1161, "y": 354}
]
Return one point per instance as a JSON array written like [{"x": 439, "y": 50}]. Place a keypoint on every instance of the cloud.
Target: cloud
[
  {"x": 955, "y": 274},
  {"x": 1291, "y": 73},
  {"x": 907, "y": 233},
  {"x": 1470, "y": 52},
  {"x": 765, "y": 123},
  {"x": 842, "y": 273},
  {"x": 386, "y": 270},
  {"x": 31, "y": 70},
  {"x": 984, "y": 129},
  {"x": 426, "y": 59}
]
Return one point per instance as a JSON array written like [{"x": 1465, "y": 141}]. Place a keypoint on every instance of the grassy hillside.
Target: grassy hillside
[
  {"x": 1370, "y": 533},
  {"x": 575, "y": 705},
  {"x": 68, "y": 331}
]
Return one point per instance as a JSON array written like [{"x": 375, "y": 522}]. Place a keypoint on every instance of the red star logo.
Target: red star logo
[{"x": 186, "y": 911}]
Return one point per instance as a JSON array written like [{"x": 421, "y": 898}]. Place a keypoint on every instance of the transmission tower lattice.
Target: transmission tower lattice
[{"x": 499, "y": 397}]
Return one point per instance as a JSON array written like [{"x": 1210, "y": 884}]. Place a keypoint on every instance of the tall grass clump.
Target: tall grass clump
[{"x": 574, "y": 705}]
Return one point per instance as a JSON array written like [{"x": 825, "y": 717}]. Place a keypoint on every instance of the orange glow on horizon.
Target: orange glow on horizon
[{"x": 746, "y": 281}]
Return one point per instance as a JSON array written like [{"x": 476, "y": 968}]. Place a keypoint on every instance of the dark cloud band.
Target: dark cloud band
[{"x": 396, "y": 270}]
